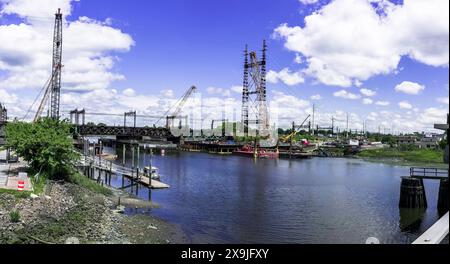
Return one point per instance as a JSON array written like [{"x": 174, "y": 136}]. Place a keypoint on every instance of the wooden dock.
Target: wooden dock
[{"x": 136, "y": 175}]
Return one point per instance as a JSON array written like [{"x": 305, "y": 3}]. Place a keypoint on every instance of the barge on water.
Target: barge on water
[{"x": 250, "y": 151}]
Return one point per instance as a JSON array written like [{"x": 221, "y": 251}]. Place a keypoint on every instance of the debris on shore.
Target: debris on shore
[{"x": 69, "y": 214}]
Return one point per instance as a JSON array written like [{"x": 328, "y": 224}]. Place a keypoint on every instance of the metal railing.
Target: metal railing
[{"x": 428, "y": 172}]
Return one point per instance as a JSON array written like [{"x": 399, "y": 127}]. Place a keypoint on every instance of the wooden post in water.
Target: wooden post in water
[
  {"x": 110, "y": 173},
  {"x": 150, "y": 177},
  {"x": 124, "y": 154},
  {"x": 123, "y": 180},
  {"x": 412, "y": 193},
  {"x": 137, "y": 181},
  {"x": 132, "y": 157},
  {"x": 138, "y": 154}
]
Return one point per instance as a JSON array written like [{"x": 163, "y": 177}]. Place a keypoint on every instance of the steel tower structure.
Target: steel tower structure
[
  {"x": 56, "y": 66},
  {"x": 254, "y": 95}
]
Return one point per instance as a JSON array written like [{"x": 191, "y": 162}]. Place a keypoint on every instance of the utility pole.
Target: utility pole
[
  {"x": 347, "y": 125},
  {"x": 57, "y": 64},
  {"x": 332, "y": 125},
  {"x": 313, "y": 118}
]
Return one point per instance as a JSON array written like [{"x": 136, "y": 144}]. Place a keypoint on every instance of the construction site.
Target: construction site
[{"x": 146, "y": 160}]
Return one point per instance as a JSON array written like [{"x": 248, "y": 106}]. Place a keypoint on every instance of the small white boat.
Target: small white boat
[{"x": 152, "y": 173}]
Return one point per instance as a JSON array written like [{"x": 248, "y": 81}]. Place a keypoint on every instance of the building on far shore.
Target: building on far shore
[
  {"x": 430, "y": 141},
  {"x": 406, "y": 140}
]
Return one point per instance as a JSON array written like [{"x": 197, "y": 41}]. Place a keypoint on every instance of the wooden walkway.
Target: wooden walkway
[{"x": 109, "y": 166}]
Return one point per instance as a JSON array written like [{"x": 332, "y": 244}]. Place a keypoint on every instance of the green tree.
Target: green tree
[{"x": 46, "y": 145}]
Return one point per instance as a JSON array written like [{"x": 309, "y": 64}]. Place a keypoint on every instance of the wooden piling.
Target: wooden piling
[
  {"x": 124, "y": 154},
  {"x": 110, "y": 173},
  {"x": 138, "y": 154},
  {"x": 443, "y": 196},
  {"x": 137, "y": 181},
  {"x": 412, "y": 193},
  {"x": 132, "y": 157}
]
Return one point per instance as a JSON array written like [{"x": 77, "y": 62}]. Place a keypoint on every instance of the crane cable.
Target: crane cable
[{"x": 37, "y": 97}]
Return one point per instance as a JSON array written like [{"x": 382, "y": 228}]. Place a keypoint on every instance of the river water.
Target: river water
[{"x": 233, "y": 199}]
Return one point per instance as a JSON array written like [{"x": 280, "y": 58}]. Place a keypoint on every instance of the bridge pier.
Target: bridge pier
[
  {"x": 443, "y": 196},
  {"x": 412, "y": 193}
]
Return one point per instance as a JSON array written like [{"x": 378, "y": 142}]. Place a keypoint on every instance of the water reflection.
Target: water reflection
[
  {"x": 411, "y": 219},
  {"x": 233, "y": 199}
]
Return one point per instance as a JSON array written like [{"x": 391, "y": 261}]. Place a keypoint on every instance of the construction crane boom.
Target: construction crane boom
[
  {"x": 42, "y": 105},
  {"x": 53, "y": 85},
  {"x": 48, "y": 90},
  {"x": 178, "y": 106},
  {"x": 183, "y": 101},
  {"x": 295, "y": 132}
]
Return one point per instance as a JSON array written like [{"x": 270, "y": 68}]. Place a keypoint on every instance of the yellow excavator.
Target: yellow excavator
[{"x": 294, "y": 132}]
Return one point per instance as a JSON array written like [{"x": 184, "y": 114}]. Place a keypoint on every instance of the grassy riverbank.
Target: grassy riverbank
[{"x": 414, "y": 156}]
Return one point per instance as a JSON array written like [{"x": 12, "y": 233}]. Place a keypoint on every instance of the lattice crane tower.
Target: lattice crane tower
[{"x": 254, "y": 96}]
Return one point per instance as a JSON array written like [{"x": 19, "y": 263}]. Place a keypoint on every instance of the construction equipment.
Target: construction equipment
[
  {"x": 53, "y": 85},
  {"x": 223, "y": 125},
  {"x": 295, "y": 131},
  {"x": 254, "y": 110},
  {"x": 57, "y": 65},
  {"x": 48, "y": 91},
  {"x": 178, "y": 107}
]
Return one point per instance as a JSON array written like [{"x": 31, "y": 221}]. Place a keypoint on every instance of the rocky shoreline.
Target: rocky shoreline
[{"x": 69, "y": 214}]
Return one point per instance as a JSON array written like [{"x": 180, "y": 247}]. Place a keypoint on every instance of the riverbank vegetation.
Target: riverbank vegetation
[
  {"x": 47, "y": 146},
  {"x": 407, "y": 154}
]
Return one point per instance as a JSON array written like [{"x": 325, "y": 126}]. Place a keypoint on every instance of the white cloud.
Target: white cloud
[
  {"x": 7, "y": 98},
  {"x": 167, "y": 93},
  {"x": 129, "y": 92},
  {"x": 432, "y": 115},
  {"x": 443, "y": 100},
  {"x": 351, "y": 40},
  {"x": 316, "y": 97},
  {"x": 35, "y": 9},
  {"x": 367, "y": 101},
  {"x": 286, "y": 76},
  {"x": 346, "y": 95},
  {"x": 308, "y": 2},
  {"x": 368, "y": 92},
  {"x": 405, "y": 105},
  {"x": 382, "y": 103},
  {"x": 88, "y": 48},
  {"x": 237, "y": 89},
  {"x": 283, "y": 99},
  {"x": 221, "y": 91},
  {"x": 409, "y": 88}
]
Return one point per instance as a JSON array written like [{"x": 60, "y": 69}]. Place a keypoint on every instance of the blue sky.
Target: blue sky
[{"x": 144, "y": 55}]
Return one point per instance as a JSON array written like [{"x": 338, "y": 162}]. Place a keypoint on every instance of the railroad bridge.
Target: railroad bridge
[
  {"x": 121, "y": 131},
  {"x": 77, "y": 118}
]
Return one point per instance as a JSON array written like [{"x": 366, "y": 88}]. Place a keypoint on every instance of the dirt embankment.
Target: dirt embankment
[{"x": 67, "y": 213}]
